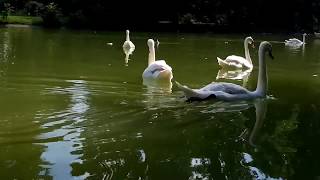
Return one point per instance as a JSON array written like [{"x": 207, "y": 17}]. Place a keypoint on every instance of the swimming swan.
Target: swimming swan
[
  {"x": 294, "y": 42},
  {"x": 156, "y": 70},
  {"x": 231, "y": 92},
  {"x": 128, "y": 44},
  {"x": 238, "y": 61}
]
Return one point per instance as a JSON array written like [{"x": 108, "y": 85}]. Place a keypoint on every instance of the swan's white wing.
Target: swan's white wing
[
  {"x": 229, "y": 88},
  {"x": 293, "y": 42},
  {"x": 128, "y": 45},
  {"x": 154, "y": 69},
  {"x": 163, "y": 64},
  {"x": 239, "y": 60},
  {"x": 293, "y": 39},
  {"x": 221, "y": 95},
  {"x": 229, "y": 63},
  {"x": 234, "y": 58},
  {"x": 220, "y": 91}
]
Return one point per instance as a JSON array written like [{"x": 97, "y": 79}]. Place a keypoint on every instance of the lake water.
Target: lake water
[{"x": 71, "y": 108}]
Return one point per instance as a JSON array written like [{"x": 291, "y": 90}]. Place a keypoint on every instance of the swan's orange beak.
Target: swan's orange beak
[{"x": 165, "y": 75}]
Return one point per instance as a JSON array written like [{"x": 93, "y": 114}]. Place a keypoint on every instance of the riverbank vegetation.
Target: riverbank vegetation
[
  {"x": 165, "y": 15},
  {"x": 27, "y": 20}
]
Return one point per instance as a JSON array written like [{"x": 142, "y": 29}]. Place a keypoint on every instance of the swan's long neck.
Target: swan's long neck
[
  {"x": 246, "y": 51},
  {"x": 127, "y": 36},
  {"x": 152, "y": 56},
  {"x": 304, "y": 38},
  {"x": 262, "y": 85}
]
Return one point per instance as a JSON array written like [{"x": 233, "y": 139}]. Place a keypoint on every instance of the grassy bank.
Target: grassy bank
[{"x": 27, "y": 20}]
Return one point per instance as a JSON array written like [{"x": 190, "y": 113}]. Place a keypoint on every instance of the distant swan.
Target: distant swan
[
  {"x": 238, "y": 61},
  {"x": 294, "y": 42},
  {"x": 156, "y": 70},
  {"x": 128, "y": 44},
  {"x": 232, "y": 92}
]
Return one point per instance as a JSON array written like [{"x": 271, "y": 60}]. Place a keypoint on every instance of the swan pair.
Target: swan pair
[
  {"x": 233, "y": 92},
  {"x": 159, "y": 70},
  {"x": 156, "y": 70},
  {"x": 294, "y": 42}
]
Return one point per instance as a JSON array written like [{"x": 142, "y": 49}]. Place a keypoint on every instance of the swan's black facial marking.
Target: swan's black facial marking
[
  {"x": 192, "y": 99},
  {"x": 270, "y": 54},
  {"x": 158, "y": 69}
]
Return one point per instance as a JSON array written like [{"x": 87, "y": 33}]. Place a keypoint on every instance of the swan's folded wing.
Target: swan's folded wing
[
  {"x": 229, "y": 88},
  {"x": 162, "y": 64},
  {"x": 222, "y": 62},
  {"x": 193, "y": 93},
  {"x": 234, "y": 58}
]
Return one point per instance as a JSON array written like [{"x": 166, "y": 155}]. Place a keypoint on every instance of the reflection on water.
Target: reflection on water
[
  {"x": 59, "y": 155},
  {"x": 296, "y": 49},
  {"x": 5, "y": 55},
  {"x": 198, "y": 164},
  {"x": 157, "y": 94},
  {"x": 127, "y": 52},
  {"x": 238, "y": 74},
  {"x": 261, "y": 110}
]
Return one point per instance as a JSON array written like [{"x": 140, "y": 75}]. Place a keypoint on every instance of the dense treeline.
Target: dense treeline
[{"x": 192, "y": 15}]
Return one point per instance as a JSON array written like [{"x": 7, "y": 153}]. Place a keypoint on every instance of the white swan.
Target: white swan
[
  {"x": 294, "y": 42},
  {"x": 232, "y": 92},
  {"x": 128, "y": 44},
  {"x": 156, "y": 70},
  {"x": 238, "y": 61}
]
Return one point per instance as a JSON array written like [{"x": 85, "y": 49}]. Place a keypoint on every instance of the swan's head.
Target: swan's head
[
  {"x": 266, "y": 47},
  {"x": 150, "y": 44},
  {"x": 249, "y": 40},
  {"x": 127, "y": 31}
]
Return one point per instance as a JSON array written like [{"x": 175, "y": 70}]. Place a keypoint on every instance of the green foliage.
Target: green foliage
[
  {"x": 227, "y": 15},
  {"x": 6, "y": 10},
  {"x": 33, "y": 8},
  {"x": 28, "y": 20},
  {"x": 51, "y": 15}
]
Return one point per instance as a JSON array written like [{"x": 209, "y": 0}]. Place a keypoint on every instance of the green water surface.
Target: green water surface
[{"x": 71, "y": 108}]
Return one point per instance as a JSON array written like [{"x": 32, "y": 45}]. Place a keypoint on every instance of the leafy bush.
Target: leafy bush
[
  {"x": 6, "y": 10},
  {"x": 51, "y": 15},
  {"x": 33, "y": 8}
]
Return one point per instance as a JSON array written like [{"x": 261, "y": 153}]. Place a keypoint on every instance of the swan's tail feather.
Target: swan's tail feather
[
  {"x": 187, "y": 91},
  {"x": 221, "y": 62}
]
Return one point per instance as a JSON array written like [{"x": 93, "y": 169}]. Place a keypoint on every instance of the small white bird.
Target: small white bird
[
  {"x": 232, "y": 92},
  {"x": 238, "y": 62},
  {"x": 294, "y": 42},
  {"x": 128, "y": 44},
  {"x": 156, "y": 70}
]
